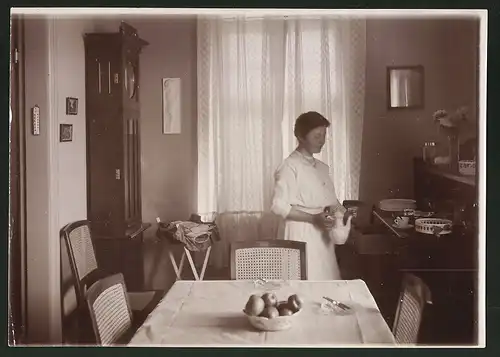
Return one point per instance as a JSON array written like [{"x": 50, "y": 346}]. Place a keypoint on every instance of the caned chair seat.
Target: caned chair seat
[{"x": 268, "y": 259}]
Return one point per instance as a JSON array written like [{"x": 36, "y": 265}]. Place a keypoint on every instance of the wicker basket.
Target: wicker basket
[
  {"x": 467, "y": 167},
  {"x": 433, "y": 226}
]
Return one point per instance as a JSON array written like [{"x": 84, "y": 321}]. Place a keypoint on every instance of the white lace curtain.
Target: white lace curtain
[{"x": 255, "y": 76}]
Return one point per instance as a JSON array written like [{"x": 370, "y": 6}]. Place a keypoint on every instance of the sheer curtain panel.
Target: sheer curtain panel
[{"x": 255, "y": 76}]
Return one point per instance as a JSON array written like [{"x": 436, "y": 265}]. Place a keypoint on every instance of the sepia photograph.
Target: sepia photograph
[
  {"x": 65, "y": 132},
  {"x": 327, "y": 188},
  {"x": 71, "y": 106}
]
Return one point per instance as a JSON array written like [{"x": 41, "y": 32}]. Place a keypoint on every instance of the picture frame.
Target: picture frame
[
  {"x": 65, "y": 133},
  {"x": 71, "y": 106},
  {"x": 171, "y": 105}
]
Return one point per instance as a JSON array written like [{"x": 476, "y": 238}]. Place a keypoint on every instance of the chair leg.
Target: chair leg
[{"x": 82, "y": 330}]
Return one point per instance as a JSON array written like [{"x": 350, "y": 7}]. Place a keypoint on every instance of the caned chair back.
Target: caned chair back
[
  {"x": 268, "y": 259},
  {"x": 109, "y": 309},
  {"x": 414, "y": 296},
  {"x": 81, "y": 255}
]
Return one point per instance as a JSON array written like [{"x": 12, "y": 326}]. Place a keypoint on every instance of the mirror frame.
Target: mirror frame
[{"x": 418, "y": 68}]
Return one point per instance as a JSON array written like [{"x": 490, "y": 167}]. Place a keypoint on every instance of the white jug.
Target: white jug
[{"x": 340, "y": 231}]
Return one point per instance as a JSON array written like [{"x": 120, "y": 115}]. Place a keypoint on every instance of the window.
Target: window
[{"x": 255, "y": 77}]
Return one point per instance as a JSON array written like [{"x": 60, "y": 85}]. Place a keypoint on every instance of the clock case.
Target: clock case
[{"x": 114, "y": 150}]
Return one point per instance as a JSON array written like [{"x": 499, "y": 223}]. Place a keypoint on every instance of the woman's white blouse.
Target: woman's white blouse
[{"x": 303, "y": 183}]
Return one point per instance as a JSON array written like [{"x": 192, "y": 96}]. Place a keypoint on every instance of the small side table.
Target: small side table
[
  {"x": 178, "y": 266},
  {"x": 187, "y": 253}
]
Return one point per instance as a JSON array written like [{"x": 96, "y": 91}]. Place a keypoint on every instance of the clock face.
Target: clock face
[{"x": 130, "y": 81}]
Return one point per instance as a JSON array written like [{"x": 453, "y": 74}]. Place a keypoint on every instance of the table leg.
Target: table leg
[
  {"x": 205, "y": 262},
  {"x": 191, "y": 263},
  {"x": 177, "y": 270},
  {"x": 181, "y": 264}
]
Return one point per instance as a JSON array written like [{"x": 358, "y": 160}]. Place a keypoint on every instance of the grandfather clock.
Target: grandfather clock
[{"x": 114, "y": 151}]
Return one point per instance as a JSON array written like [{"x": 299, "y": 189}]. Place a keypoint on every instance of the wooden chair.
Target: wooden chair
[
  {"x": 76, "y": 324},
  {"x": 268, "y": 259},
  {"x": 78, "y": 242},
  {"x": 414, "y": 296},
  {"x": 110, "y": 310}
]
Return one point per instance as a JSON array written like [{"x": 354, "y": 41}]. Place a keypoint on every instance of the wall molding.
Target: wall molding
[{"x": 54, "y": 248}]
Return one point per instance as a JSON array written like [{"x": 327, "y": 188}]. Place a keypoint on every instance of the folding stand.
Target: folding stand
[{"x": 186, "y": 252}]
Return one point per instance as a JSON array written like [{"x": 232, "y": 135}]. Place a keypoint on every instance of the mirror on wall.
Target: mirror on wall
[{"x": 405, "y": 86}]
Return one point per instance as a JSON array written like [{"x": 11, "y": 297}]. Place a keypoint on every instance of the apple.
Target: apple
[
  {"x": 270, "y": 312},
  {"x": 282, "y": 305},
  {"x": 270, "y": 299},
  {"x": 285, "y": 311},
  {"x": 295, "y": 302},
  {"x": 255, "y": 305}
]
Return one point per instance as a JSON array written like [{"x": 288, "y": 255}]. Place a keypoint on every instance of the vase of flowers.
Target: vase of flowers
[{"x": 450, "y": 125}]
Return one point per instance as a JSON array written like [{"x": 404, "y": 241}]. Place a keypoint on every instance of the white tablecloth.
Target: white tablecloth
[{"x": 195, "y": 313}]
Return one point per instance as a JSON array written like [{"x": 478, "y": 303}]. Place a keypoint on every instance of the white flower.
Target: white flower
[
  {"x": 438, "y": 114},
  {"x": 452, "y": 121},
  {"x": 446, "y": 122}
]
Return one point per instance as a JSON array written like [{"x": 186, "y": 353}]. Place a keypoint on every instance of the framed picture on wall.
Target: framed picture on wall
[
  {"x": 171, "y": 105},
  {"x": 65, "y": 132},
  {"x": 71, "y": 106}
]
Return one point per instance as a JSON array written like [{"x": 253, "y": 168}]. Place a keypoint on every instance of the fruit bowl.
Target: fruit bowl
[{"x": 278, "y": 323}]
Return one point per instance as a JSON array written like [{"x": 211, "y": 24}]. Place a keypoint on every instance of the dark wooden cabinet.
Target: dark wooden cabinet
[
  {"x": 449, "y": 264},
  {"x": 114, "y": 150},
  {"x": 440, "y": 190}
]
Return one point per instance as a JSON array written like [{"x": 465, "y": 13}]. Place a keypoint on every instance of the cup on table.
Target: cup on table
[
  {"x": 410, "y": 212},
  {"x": 402, "y": 221}
]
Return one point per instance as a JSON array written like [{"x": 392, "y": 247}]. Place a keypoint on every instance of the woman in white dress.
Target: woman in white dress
[{"x": 303, "y": 189}]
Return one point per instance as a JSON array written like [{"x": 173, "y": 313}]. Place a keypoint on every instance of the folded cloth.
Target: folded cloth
[{"x": 195, "y": 236}]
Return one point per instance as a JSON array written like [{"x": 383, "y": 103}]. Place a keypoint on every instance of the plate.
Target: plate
[
  {"x": 407, "y": 227},
  {"x": 423, "y": 214},
  {"x": 397, "y": 204}
]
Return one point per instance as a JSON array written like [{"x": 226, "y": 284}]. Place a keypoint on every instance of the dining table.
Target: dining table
[{"x": 210, "y": 313}]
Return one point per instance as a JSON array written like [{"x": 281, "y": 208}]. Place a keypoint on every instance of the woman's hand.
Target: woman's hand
[{"x": 323, "y": 221}]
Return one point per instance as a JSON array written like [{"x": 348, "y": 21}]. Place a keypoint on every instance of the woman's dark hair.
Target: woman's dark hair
[{"x": 307, "y": 122}]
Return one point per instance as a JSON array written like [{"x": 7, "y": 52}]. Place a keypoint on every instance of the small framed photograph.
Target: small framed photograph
[
  {"x": 65, "y": 132},
  {"x": 71, "y": 106}
]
